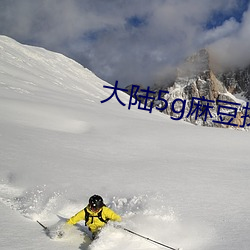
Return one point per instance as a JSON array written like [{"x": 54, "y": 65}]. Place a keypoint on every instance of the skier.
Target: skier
[{"x": 95, "y": 214}]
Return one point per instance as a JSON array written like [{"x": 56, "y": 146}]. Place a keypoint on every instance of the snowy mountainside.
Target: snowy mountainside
[
  {"x": 41, "y": 77},
  {"x": 182, "y": 185},
  {"x": 33, "y": 63}
]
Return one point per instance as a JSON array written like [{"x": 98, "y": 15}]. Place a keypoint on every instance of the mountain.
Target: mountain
[
  {"x": 182, "y": 185},
  {"x": 237, "y": 81},
  {"x": 207, "y": 97}
]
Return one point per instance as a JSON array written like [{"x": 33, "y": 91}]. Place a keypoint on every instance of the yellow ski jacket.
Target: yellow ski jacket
[{"x": 94, "y": 223}]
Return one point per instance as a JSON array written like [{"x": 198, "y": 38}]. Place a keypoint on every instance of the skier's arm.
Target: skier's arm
[
  {"x": 77, "y": 217},
  {"x": 110, "y": 214}
]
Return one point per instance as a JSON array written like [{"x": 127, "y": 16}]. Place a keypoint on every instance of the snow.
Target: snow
[
  {"x": 236, "y": 98},
  {"x": 182, "y": 185}
]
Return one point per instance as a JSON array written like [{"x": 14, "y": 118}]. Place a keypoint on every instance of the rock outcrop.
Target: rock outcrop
[{"x": 203, "y": 97}]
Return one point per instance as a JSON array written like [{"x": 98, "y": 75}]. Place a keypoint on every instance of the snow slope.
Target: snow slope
[{"x": 182, "y": 185}]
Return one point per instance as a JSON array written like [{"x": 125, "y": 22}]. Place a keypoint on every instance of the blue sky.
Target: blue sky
[
  {"x": 218, "y": 17},
  {"x": 133, "y": 41}
]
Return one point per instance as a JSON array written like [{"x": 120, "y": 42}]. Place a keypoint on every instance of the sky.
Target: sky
[{"x": 133, "y": 41}]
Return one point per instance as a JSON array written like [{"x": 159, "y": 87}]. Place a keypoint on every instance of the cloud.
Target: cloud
[
  {"x": 130, "y": 41},
  {"x": 233, "y": 49},
  {"x": 228, "y": 28}
]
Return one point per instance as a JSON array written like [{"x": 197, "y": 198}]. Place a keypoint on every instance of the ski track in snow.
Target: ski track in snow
[
  {"x": 145, "y": 214},
  {"x": 42, "y": 116}
]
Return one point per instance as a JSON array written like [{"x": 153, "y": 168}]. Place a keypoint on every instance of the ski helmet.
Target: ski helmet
[{"x": 95, "y": 202}]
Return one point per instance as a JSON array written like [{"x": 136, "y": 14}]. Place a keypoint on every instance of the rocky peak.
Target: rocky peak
[
  {"x": 197, "y": 64},
  {"x": 199, "y": 84},
  {"x": 196, "y": 79}
]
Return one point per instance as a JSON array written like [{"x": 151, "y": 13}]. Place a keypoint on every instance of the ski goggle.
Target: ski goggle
[{"x": 94, "y": 208}]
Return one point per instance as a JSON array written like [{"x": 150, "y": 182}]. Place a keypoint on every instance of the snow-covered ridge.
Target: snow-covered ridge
[
  {"x": 33, "y": 74},
  {"x": 33, "y": 66}
]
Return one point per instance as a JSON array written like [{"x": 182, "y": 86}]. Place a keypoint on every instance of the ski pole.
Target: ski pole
[
  {"x": 146, "y": 238},
  {"x": 45, "y": 228}
]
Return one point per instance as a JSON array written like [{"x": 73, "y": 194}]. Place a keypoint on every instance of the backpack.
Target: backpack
[{"x": 88, "y": 216}]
